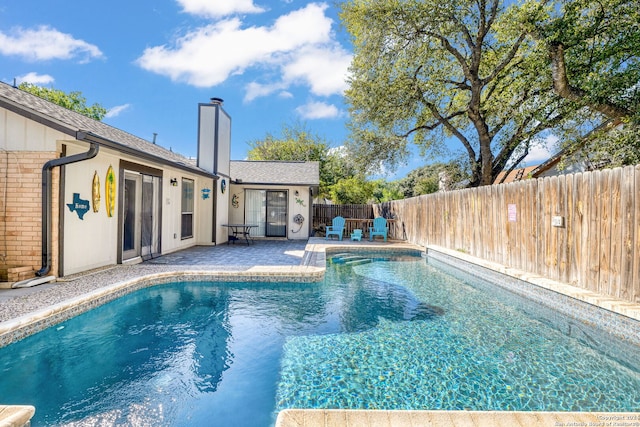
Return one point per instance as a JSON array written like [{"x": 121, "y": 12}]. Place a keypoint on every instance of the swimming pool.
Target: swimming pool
[{"x": 392, "y": 332}]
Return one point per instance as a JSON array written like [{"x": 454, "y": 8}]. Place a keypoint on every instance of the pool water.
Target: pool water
[{"x": 390, "y": 332}]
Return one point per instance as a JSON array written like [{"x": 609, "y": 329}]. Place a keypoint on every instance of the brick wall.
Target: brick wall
[{"x": 20, "y": 209}]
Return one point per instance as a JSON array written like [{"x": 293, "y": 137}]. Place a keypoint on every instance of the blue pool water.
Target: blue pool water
[{"x": 389, "y": 334}]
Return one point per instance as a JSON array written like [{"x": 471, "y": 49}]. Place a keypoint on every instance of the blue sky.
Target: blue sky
[{"x": 150, "y": 62}]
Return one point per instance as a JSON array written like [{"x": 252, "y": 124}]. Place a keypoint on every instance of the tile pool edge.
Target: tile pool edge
[{"x": 14, "y": 330}]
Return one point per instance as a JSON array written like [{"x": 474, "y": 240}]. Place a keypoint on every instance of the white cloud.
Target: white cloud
[
  {"x": 35, "y": 78},
  {"x": 318, "y": 110},
  {"x": 115, "y": 111},
  {"x": 543, "y": 151},
  {"x": 256, "y": 90},
  {"x": 45, "y": 43},
  {"x": 323, "y": 68},
  {"x": 297, "y": 49},
  {"x": 219, "y": 8}
]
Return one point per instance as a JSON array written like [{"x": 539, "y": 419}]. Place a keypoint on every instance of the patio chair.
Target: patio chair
[
  {"x": 336, "y": 227},
  {"x": 357, "y": 234},
  {"x": 379, "y": 228}
]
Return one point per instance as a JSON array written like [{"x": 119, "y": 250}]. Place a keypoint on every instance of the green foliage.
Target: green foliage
[
  {"x": 428, "y": 72},
  {"x": 72, "y": 100},
  {"x": 594, "y": 60},
  {"x": 599, "y": 42},
  {"x": 426, "y": 180},
  {"x": 352, "y": 190},
  {"x": 297, "y": 143}
]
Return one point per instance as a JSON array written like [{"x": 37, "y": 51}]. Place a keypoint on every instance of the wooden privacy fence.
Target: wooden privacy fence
[
  {"x": 323, "y": 214},
  {"x": 582, "y": 229}
]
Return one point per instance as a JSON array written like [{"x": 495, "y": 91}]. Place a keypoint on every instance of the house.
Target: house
[
  {"x": 276, "y": 196},
  {"x": 77, "y": 194},
  {"x": 514, "y": 175}
]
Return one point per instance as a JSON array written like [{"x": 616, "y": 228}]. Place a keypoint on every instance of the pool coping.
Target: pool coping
[
  {"x": 401, "y": 418},
  {"x": 311, "y": 269}
]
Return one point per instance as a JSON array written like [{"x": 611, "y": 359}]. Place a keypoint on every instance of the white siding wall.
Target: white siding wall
[
  {"x": 294, "y": 231},
  {"x": 18, "y": 133},
  {"x": 93, "y": 241}
]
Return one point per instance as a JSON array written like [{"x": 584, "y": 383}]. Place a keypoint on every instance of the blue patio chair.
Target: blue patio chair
[
  {"x": 357, "y": 234},
  {"x": 379, "y": 228},
  {"x": 336, "y": 227}
]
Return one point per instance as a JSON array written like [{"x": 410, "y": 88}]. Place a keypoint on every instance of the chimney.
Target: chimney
[{"x": 214, "y": 137}]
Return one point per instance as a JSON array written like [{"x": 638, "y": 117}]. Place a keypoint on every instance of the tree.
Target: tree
[
  {"x": 594, "y": 62},
  {"x": 426, "y": 180},
  {"x": 594, "y": 52},
  {"x": 297, "y": 143},
  {"x": 424, "y": 71},
  {"x": 72, "y": 100},
  {"x": 352, "y": 190}
]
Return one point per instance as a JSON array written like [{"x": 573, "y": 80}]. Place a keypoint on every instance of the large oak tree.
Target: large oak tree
[{"x": 428, "y": 71}]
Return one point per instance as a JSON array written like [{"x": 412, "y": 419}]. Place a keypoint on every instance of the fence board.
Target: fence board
[
  {"x": 561, "y": 232},
  {"x": 635, "y": 291},
  {"x": 616, "y": 233},
  {"x": 627, "y": 196},
  {"x": 605, "y": 232},
  {"x": 594, "y": 202}
]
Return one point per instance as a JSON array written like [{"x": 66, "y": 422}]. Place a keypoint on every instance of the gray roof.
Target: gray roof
[
  {"x": 275, "y": 172},
  {"x": 72, "y": 123}
]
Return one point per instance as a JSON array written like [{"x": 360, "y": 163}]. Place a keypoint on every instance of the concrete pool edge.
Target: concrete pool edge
[
  {"x": 387, "y": 418},
  {"x": 16, "y": 415}
]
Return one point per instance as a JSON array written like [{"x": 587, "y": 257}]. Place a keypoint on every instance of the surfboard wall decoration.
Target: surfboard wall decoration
[
  {"x": 110, "y": 191},
  {"x": 95, "y": 192}
]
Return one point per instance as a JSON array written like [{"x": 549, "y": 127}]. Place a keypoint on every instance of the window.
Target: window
[{"x": 187, "y": 209}]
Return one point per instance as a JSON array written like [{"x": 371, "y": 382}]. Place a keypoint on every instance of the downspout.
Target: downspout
[{"x": 46, "y": 196}]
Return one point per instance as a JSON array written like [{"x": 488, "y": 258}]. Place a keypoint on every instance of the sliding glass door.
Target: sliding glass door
[
  {"x": 268, "y": 210},
  {"x": 141, "y": 222}
]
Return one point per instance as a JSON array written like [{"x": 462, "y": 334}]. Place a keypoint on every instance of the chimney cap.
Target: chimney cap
[{"x": 217, "y": 101}]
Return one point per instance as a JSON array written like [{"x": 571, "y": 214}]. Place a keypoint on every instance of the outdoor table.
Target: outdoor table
[{"x": 240, "y": 229}]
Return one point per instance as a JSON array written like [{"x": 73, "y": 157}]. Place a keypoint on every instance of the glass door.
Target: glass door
[
  {"x": 150, "y": 235},
  {"x": 276, "y": 214},
  {"x": 268, "y": 210},
  {"x": 132, "y": 224},
  {"x": 141, "y": 224}
]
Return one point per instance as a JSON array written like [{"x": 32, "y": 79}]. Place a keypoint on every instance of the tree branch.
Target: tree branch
[
  {"x": 563, "y": 88},
  {"x": 506, "y": 60}
]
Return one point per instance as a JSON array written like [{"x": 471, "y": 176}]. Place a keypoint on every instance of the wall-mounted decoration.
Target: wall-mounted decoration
[
  {"x": 223, "y": 185},
  {"x": 95, "y": 192},
  {"x": 206, "y": 192},
  {"x": 235, "y": 202},
  {"x": 173, "y": 182},
  {"x": 300, "y": 202},
  {"x": 79, "y": 206},
  {"x": 110, "y": 191}
]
